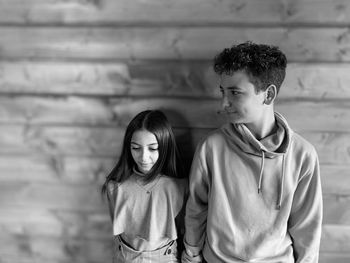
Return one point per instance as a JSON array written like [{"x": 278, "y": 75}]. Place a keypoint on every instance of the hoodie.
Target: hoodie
[{"x": 254, "y": 200}]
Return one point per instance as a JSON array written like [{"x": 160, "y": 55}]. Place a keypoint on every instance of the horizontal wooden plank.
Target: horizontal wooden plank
[
  {"x": 136, "y": 43},
  {"x": 65, "y": 78},
  {"x": 175, "y": 12},
  {"x": 334, "y": 257},
  {"x": 35, "y": 259},
  {"x": 307, "y": 81},
  {"x": 336, "y": 209},
  {"x": 316, "y": 81},
  {"x": 335, "y": 238},
  {"x": 55, "y": 169},
  {"x": 52, "y": 196},
  {"x": 62, "y": 141},
  {"x": 79, "y": 141},
  {"x": 53, "y": 249},
  {"x": 332, "y": 147},
  {"x": 55, "y": 223},
  {"x": 302, "y": 115},
  {"x": 335, "y": 179}
]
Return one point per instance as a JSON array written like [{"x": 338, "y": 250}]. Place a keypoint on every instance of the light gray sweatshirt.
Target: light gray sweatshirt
[
  {"x": 145, "y": 214},
  {"x": 254, "y": 201}
]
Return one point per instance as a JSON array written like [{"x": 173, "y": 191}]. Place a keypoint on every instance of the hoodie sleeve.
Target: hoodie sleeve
[
  {"x": 196, "y": 208},
  {"x": 305, "y": 221}
]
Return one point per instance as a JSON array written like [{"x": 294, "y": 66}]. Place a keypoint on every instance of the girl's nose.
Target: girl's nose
[{"x": 144, "y": 155}]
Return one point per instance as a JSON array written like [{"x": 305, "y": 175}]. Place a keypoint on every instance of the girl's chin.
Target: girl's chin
[{"x": 144, "y": 169}]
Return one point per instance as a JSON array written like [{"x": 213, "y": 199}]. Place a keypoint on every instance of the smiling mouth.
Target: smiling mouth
[
  {"x": 145, "y": 164},
  {"x": 225, "y": 112}
]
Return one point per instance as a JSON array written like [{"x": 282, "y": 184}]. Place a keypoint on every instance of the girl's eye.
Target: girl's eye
[
  {"x": 135, "y": 148},
  {"x": 153, "y": 149}
]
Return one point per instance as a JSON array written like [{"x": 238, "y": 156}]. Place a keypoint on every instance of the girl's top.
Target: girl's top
[
  {"x": 254, "y": 200},
  {"x": 144, "y": 214}
]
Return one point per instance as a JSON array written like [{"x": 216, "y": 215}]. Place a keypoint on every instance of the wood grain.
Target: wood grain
[
  {"x": 135, "y": 43},
  {"x": 51, "y": 196},
  {"x": 336, "y": 210},
  {"x": 335, "y": 238},
  {"x": 56, "y": 223},
  {"x": 53, "y": 249},
  {"x": 73, "y": 73},
  {"x": 53, "y": 140},
  {"x": 321, "y": 116},
  {"x": 163, "y": 79},
  {"x": 198, "y": 12}
]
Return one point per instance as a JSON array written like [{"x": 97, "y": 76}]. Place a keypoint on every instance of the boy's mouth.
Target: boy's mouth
[{"x": 225, "y": 112}]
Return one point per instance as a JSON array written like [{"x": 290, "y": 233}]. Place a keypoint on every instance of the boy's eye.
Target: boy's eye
[{"x": 234, "y": 92}]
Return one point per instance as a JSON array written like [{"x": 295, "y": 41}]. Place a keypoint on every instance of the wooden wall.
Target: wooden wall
[{"x": 73, "y": 73}]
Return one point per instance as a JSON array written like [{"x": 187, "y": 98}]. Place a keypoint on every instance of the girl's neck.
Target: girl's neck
[{"x": 138, "y": 172}]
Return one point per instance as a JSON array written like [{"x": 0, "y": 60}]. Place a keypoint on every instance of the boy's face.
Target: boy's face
[{"x": 240, "y": 101}]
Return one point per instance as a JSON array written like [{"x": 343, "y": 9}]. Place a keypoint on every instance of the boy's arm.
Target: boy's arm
[
  {"x": 196, "y": 208},
  {"x": 305, "y": 222}
]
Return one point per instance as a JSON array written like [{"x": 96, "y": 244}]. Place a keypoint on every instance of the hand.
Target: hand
[{"x": 186, "y": 258}]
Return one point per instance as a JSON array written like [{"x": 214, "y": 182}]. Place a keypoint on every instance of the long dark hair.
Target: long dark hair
[{"x": 157, "y": 123}]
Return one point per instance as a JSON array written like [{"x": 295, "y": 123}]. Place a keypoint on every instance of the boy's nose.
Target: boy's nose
[{"x": 226, "y": 103}]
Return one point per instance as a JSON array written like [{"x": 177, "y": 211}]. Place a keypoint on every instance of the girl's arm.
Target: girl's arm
[{"x": 111, "y": 196}]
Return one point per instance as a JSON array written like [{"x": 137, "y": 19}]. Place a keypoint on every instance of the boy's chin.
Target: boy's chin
[{"x": 235, "y": 120}]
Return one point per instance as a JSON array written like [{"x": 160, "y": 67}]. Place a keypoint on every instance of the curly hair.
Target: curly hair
[{"x": 264, "y": 64}]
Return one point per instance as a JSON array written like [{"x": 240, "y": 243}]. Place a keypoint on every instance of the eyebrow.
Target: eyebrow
[
  {"x": 230, "y": 88},
  {"x": 147, "y": 144}
]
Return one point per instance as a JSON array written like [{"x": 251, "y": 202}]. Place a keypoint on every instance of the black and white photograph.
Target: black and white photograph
[{"x": 174, "y": 131}]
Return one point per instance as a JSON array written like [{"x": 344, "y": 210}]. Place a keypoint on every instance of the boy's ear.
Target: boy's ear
[{"x": 270, "y": 94}]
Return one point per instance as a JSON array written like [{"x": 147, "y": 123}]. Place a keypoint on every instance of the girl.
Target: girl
[{"x": 144, "y": 191}]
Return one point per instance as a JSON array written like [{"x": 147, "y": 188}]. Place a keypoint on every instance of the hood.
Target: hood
[{"x": 272, "y": 146}]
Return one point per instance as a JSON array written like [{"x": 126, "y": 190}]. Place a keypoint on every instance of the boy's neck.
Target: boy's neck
[{"x": 264, "y": 127}]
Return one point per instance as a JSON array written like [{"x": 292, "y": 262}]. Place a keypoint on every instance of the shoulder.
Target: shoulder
[
  {"x": 211, "y": 140},
  {"x": 173, "y": 184},
  {"x": 111, "y": 188},
  {"x": 304, "y": 155},
  {"x": 214, "y": 136},
  {"x": 302, "y": 147}
]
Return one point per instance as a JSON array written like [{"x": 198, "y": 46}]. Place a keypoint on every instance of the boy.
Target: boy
[{"x": 255, "y": 190}]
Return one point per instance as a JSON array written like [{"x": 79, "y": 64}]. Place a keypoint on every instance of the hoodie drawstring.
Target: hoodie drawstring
[
  {"x": 261, "y": 170},
  {"x": 279, "y": 203}
]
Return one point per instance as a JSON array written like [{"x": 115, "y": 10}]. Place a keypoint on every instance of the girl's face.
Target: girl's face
[{"x": 144, "y": 150}]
